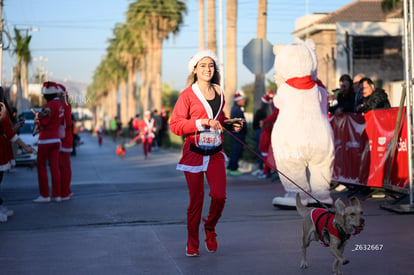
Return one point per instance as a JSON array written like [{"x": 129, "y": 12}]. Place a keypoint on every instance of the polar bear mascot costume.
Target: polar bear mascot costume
[{"x": 302, "y": 137}]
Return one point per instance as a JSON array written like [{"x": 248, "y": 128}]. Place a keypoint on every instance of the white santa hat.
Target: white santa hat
[
  {"x": 239, "y": 95},
  {"x": 49, "y": 88},
  {"x": 200, "y": 55},
  {"x": 266, "y": 98},
  {"x": 61, "y": 88}
]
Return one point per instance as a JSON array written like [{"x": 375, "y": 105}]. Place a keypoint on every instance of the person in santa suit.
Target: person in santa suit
[
  {"x": 198, "y": 116},
  {"x": 65, "y": 146},
  {"x": 147, "y": 127},
  {"x": 49, "y": 119},
  {"x": 7, "y": 135}
]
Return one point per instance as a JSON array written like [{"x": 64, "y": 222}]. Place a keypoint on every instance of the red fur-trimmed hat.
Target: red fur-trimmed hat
[
  {"x": 271, "y": 93},
  {"x": 266, "y": 99},
  {"x": 49, "y": 88},
  {"x": 239, "y": 95}
]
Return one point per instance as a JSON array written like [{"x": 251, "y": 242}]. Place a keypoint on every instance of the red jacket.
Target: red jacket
[
  {"x": 49, "y": 124},
  {"x": 67, "y": 141},
  {"x": 189, "y": 109},
  {"x": 265, "y": 136},
  {"x": 147, "y": 128},
  {"x": 7, "y": 135}
]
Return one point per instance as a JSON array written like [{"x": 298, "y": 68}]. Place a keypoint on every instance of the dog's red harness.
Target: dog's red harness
[
  {"x": 321, "y": 218},
  {"x": 324, "y": 222}
]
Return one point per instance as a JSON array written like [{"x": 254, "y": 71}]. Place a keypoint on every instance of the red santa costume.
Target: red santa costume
[
  {"x": 265, "y": 142},
  {"x": 186, "y": 120},
  {"x": 65, "y": 146},
  {"x": 147, "y": 128},
  {"x": 7, "y": 135},
  {"x": 50, "y": 118}
]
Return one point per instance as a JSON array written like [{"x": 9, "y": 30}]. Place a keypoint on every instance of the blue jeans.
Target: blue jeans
[
  {"x": 257, "y": 139},
  {"x": 236, "y": 151}
]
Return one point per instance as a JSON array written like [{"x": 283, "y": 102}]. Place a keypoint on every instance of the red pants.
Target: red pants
[
  {"x": 216, "y": 178},
  {"x": 146, "y": 145},
  {"x": 48, "y": 153},
  {"x": 65, "y": 173}
]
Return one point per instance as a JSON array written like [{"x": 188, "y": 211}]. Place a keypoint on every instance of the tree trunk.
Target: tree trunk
[
  {"x": 211, "y": 26},
  {"x": 261, "y": 34},
  {"x": 145, "y": 85},
  {"x": 19, "y": 90},
  {"x": 231, "y": 53},
  {"x": 156, "y": 92},
  {"x": 132, "y": 80},
  {"x": 201, "y": 27},
  {"x": 124, "y": 102},
  {"x": 26, "y": 98}
]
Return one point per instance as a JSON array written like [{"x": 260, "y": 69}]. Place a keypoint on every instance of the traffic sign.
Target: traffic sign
[{"x": 258, "y": 56}]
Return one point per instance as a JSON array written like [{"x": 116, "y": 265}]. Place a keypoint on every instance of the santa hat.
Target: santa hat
[
  {"x": 266, "y": 98},
  {"x": 239, "y": 95},
  {"x": 49, "y": 88},
  {"x": 271, "y": 93},
  {"x": 61, "y": 89},
  {"x": 200, "y": 55}
]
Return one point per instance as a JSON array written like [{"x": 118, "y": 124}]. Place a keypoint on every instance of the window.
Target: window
[{"x": 376, "y": 47}]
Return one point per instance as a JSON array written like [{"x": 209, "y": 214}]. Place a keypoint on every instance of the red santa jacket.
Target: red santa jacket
[
  {"x": 147, "y": 128},
  {"x": 189, "y": 109},
  {"x": 49, "y": 124},
  {"x": 7, "y": 135},
  {"x": 265, "y": 136},
  {"x": 66, "y": 145}
]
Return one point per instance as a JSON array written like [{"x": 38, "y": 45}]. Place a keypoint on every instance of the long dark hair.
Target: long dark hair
[{"x": 6, "y": 103}]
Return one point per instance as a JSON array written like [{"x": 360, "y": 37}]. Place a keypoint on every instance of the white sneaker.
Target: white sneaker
[
  {"x": 66, "y": 198},
  {"x": 41, "y": 199},
  {"x": 7, "y": 211},
  {"x": 56, "y": 199},
  {"x": 3, "y": 217},
  {"x": 288, "y": 200},
  {"x": 256, "y": 172}
]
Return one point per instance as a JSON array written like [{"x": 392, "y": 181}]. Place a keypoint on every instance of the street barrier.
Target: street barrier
[{"x": 363, "y": 149}]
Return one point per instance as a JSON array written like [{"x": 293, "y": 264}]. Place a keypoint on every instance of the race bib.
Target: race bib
[{"x": 208, "y": 139}]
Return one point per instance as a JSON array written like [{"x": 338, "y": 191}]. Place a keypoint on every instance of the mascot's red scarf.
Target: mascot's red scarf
[{"x": 304, "y": 82}]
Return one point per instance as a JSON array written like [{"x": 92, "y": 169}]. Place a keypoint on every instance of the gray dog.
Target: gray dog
[{"x": 333, "y": 229}]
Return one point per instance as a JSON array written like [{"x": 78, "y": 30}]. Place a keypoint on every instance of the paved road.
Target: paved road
[{"x": 128, "y": 217}]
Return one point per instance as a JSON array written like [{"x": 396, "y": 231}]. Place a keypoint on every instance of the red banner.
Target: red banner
[{"x": 363, "y": 148}]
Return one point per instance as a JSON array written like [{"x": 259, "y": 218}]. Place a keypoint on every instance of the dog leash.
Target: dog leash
[{"x": 274, "y": 168}]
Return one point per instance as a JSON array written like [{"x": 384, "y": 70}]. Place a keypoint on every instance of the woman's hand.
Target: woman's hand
[
  {"x": 29, "y": 149},
  {"x": 237, "y": 126},
  {"x": 214, "y": 124}
]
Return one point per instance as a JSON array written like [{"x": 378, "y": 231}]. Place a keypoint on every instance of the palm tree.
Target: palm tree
[
  {"x": 156, "y": 20},
  {"x": 231, "y": 54},
  {"x": 24, "y": 58},
  {"x": 211, "y": 26},
  {"x": 261, "y": 34}
]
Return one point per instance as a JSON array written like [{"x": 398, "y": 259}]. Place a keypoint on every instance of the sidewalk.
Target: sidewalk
[{"x": 129, "y": 217}]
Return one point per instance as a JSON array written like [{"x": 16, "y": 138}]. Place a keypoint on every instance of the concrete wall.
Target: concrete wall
[{"x": 326, "y": 51}]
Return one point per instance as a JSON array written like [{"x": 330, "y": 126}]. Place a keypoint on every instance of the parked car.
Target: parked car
[
  {"x": 28, "y": 114},
  {"x": 26, "y": 135}
]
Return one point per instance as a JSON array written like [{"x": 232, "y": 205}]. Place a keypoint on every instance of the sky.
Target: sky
[{"x": 70, "y": 37}]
